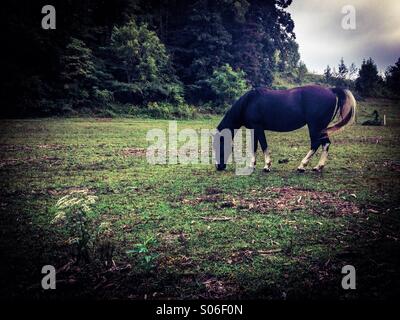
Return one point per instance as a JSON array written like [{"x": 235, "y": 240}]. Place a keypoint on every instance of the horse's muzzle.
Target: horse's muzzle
[{"x": 220, "y": 167}]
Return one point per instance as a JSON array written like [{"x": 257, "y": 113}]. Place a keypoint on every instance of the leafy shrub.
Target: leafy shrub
[
  {"x": 144, "y": 251},
  {"x": 228, "y": 85},
  {"x": 103, "y": 97},
  {"x": 160, "y": 110},
  {"x": 142, "y": 66},
  {"x": 186, "y": 111},
  {"x": 167, "y": 111}
]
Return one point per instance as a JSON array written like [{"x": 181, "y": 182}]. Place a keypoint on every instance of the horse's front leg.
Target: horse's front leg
[
  {"x": 267, "y": 160},
  {"x": 254, "y": 145},
  {"x": 264, "y": 146}
]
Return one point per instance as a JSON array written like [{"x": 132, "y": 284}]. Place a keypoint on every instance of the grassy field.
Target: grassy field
[{"x": 187, "y": 231}]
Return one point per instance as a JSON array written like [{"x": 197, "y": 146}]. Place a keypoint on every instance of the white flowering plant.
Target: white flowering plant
[{"x": 73, "y": 213}]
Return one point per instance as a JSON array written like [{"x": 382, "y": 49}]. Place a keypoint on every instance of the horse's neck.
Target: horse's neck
[{"x": 227, "y": 122}]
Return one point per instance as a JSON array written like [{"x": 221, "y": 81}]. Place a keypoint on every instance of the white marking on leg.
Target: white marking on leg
[
  {"x": 306, "y": 160},
  {"x": 252, "y": 163},
  {"x": 268, "y": 161},
  {"x": 323, "y": 159}
]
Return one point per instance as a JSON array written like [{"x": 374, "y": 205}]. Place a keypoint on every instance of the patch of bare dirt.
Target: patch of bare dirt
[
  {"x": 133, "y": 152},
  {"x": 392, "y": 165},
  {"x": 21, "y": 147},
  {"x": 219, "y": 289},
  {"x": 241, "y": 256},
  {"x": 15, "y": 161},
  {"x": 172, "y": 237},
  {"x": 368, "y": 140},
  {"x": 245, "y": 255},
  {"x": 180, "y": 262},
  {"x": 213, "y": 190},
  {"x": 281, "y": 199},
  {"x": 51, "y": 146},
  {"x": 68, "y": 190},
  {"x": 14, "y": 147}
]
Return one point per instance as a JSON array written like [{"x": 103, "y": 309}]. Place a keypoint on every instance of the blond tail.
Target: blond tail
[{"x": 347, "y": 109}]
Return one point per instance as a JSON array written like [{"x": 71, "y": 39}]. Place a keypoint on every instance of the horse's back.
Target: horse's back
[
  {"x": 276, "y": 110},
  {"x": 287, "y": 110},
  {"x": 293, "y": 94}
]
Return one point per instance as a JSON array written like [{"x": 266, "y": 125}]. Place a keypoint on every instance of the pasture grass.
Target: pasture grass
[{"x": 277, "y": 235}]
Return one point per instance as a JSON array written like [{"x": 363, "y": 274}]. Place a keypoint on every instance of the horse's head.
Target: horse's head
[
  {"x": 217, "y": 144},
  {"x": 222, "y": 146}
]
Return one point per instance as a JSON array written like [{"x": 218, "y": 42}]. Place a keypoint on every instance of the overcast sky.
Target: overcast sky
[{"x": 322, "y": 40}]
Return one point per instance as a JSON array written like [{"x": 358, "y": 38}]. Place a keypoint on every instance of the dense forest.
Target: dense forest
[{"x": 160, "y": 58}]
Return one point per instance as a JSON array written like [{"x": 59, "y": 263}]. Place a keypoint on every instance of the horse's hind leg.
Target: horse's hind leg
[
  {"x": 306, "y": 160},
  {"x": 324, "y": 156},
  {"x": 315, "y": 143}
]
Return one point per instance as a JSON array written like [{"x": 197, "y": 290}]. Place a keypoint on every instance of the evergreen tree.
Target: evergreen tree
[
  {"x": 342, "y": 70},
  {"x": 352, "y": 70},
  {"x": 340, "y": 77},
  {"x": 289, "y": 56},
  {"x": 266, "y": 30},
  {"x": 78, "y": 72},
  {"x": 254, "y": 55},
  {"x": 301, "y": 72},
  {"x": 209, "y": 42},
  {"x": 328, "y": 76},
  {"x": 368, "y": 78},
  {"x": 393, "y": 78}
]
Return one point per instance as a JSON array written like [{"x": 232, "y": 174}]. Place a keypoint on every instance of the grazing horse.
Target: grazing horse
[{"x": 286, "y": 110}]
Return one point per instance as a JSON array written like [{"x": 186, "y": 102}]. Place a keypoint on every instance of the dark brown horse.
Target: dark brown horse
[{"x": 287, "y": 110}]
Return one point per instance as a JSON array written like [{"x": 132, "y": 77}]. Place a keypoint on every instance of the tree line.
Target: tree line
[
  {"x": 366, "y": 80},
  {"x": 153, "y": 56},
  {"x": 160, "y": 58}
]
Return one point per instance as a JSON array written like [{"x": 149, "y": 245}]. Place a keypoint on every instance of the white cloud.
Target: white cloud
[{"x": 323, "y": 41}]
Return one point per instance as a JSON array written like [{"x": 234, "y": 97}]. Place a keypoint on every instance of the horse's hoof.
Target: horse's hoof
[
  {"x": 251, "y": 169},
  {"x": 301, "y": 170},
  {"x": 317, "y": 169},
  {"x": 267, "y": 169}
]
